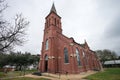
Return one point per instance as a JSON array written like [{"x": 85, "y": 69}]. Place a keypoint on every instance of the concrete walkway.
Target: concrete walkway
[{"x": 63, "y": 77}]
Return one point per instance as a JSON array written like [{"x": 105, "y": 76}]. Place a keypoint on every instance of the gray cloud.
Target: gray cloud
[
  {"x": 111, "y": 36},
  {"x": 97, "y": 21},
  {"x": 114, "y": 29},
  {"x": 108, "y": 4},
  {"x": 109, "y": 11}
]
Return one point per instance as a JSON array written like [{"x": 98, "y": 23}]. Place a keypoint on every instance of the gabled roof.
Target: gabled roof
[
  {"x": 112, "y": 62},
  {"x": 82, "y": 45}
]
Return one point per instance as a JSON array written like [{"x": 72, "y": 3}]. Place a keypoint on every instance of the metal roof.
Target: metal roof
[{"x": 112, "y": 62}]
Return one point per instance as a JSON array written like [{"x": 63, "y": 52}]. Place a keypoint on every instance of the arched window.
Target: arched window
[
  {"x": 57, "y": 21},
  {"x": 46, "y": 45},
  {"x": 49, "y": 22},
  {"x": 78, "y": 57},
  {"x": 83, "y": 54},
  {"x": 66, "y": 60},
  {"x": 85, "y": 57}
]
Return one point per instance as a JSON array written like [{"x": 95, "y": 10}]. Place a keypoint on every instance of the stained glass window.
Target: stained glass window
[{"x": 66, "y": 60}]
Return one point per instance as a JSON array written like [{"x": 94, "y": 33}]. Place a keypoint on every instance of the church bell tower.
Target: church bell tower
[{"x": 52, "y": 28}]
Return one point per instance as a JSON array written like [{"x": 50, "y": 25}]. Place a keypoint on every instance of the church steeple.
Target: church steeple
[
  {"x": 53, "y": 20},
  {"x": 53, "y": 9}
]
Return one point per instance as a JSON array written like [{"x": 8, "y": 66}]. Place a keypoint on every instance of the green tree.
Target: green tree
[
  {"x": 19, "y": 59},
  {"x": 22, "y": 60},
  {"x": 105, "y": 55},
  {"x": 3, "y": 60}
]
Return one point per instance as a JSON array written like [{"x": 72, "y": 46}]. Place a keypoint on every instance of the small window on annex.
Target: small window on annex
[
  {"x": 66, "y": 60},
  {"x": 78, "y": 57},
  {"x": 46, "y": 45}
]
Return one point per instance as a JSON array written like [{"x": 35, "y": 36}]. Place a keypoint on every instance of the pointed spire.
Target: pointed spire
[
  {"x": 85, "y": 40},
  {"x": 86, "y": 43},
  {"x": 53, "y": 9}
]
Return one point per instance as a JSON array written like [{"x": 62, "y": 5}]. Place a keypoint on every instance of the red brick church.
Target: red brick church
[{"x": 61, "y": 54}]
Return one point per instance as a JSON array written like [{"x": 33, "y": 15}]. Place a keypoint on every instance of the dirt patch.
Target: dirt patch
[{"x": 63, "y": 77}]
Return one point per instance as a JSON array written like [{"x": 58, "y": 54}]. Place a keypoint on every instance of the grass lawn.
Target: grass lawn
[
  {"x": 108, "y": 74},
  {"x": 2, "y": 74},
  {"x": 27, "y": 78},
  {"x": 15, "y": 73}
]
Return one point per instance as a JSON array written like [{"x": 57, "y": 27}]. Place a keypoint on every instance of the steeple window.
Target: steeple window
[
  {"x": 55, "y": 21},
  {"x": 46, "y": 45},
  {"x": 49, "y": 22}
]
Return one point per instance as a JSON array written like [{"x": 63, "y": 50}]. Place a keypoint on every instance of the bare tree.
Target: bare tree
[
  {"x": 11, "y": 35},
  {"x": 2, "y": 6}
]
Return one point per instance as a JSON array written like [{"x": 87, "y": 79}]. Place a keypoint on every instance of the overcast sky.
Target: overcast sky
[{"x": 97, "y": 21}]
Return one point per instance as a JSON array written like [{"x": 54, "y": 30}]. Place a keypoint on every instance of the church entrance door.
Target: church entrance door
[{"x": 46, "y": 63}]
